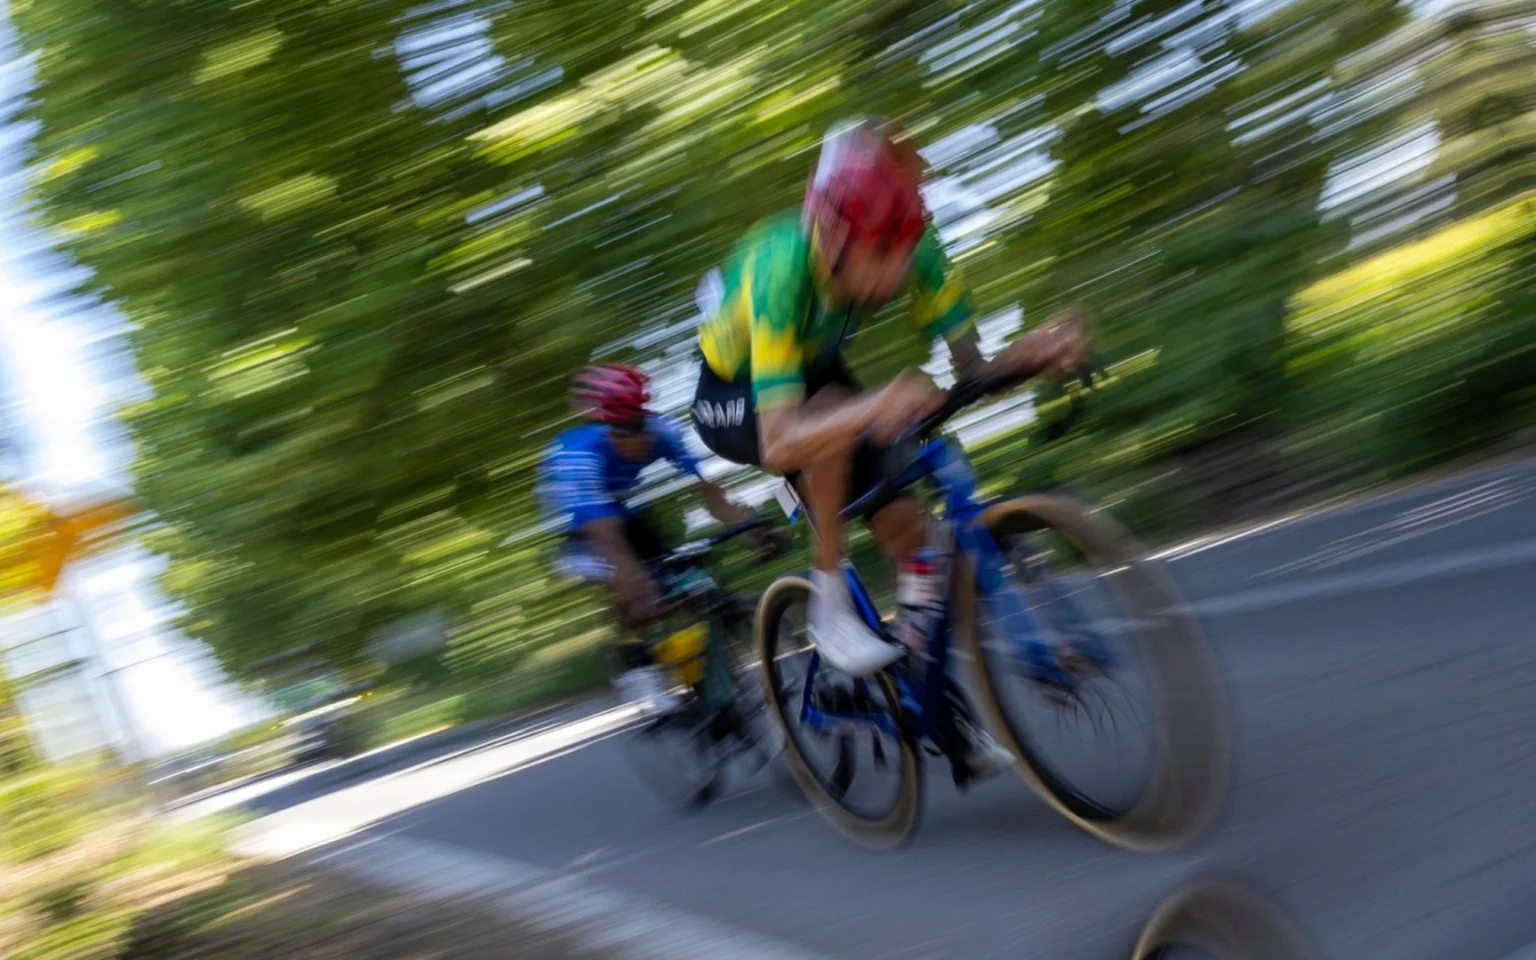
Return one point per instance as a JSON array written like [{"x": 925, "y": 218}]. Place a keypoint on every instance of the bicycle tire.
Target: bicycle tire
[
  {"x": 876, "y": 833},
  {"x": 759, "y": 734},
  {"x": 674, "y": 786},
  {"x": 1186, "y": 791},
  {"x": 1224, "y": 919}
]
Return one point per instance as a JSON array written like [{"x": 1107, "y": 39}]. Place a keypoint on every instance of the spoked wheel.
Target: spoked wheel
[
  {"x": 758, "y": 741},
  {"x": 676, "y": 755},
  {"x": 866, "y": 781},
  {"x": 1093, "y": 673},
  {"x": 1220, "y": 920}
]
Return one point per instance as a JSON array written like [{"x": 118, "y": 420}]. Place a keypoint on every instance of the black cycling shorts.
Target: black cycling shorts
[
  {"x": 575, "y": 558},
  {"x": 727, "y": 423}
]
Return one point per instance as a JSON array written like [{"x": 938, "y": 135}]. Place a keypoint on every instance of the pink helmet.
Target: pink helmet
[
  {"x": 864, "y": 188},
  {"x": 613, "y": 392}
]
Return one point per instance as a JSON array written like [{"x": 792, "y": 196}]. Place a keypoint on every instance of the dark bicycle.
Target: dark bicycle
[{"x": 704, "y": 641}]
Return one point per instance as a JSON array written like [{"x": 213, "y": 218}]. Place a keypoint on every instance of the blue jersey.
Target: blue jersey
[{"x": 583, "y": 478}]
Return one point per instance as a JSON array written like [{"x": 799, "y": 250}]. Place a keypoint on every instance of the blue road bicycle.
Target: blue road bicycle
[{"x": 1070, "y": 633}]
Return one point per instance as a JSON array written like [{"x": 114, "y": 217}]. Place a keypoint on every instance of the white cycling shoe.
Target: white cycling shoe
[
  {"x": 841, "y": 636},
  {"x": 647, "y": 688}
]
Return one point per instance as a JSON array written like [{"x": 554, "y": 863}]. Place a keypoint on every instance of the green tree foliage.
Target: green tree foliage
[
  {"x": 1185, "y": 212},
  {"x": 1424, "y": 350},
  {"x": 363, "y": 245}
]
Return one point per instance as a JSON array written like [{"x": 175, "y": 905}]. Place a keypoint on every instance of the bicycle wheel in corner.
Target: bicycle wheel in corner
[
  {"x": 864, "y": 776},
  {"x": 1220, "y": 920},
  {"x": 757, "y": 742},
  {"x": 1093, "y": 672},
  {"x": 672, "y": 753}
]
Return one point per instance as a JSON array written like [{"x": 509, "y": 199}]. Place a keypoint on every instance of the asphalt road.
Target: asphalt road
[{"x": 1381, "y": 662}]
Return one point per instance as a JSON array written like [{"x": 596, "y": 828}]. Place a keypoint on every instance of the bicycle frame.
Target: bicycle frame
[
  {"x": 694, "y": 589},
  {"x": 944, "y": 462},
  {"x": 690, "y": 583}
]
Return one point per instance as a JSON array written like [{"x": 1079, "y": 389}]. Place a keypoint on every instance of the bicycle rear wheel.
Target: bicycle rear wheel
[
  {"x": 1220, "y": 920},
  {"x": 674, "y": 755},
  {"x": 758, "y": 742},
  {"x": 1089, "y": 593},
  {"x": 838, "y": 767}
]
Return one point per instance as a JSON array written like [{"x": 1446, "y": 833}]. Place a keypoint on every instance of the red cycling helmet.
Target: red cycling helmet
[
  {"x": 613, "y": 392},
  {"x": 864, "y": 187}
]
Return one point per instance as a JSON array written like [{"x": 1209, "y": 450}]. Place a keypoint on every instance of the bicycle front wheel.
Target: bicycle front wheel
[
  {"x": 1220, "y": 919},
  {"x": 1093, "y": 673},
  {"x": 863, "y": 777}
]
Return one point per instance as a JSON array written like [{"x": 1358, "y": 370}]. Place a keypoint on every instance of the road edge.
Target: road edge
[
  {"x": 598, "y": 919},
  {"x": 1346, "y": 500}
]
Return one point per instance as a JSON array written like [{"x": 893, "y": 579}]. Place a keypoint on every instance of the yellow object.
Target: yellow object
[
  {"x": 683, "y": 651},
  {"x": 36, "y": 541}
]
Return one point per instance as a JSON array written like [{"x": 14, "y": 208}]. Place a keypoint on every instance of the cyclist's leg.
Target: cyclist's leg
[
  {"x": 825, "y": 487},
  {"x": 842, "y": 635},
  {"x": 727, "y": 423},
  {"x": 644, "y": 537},
  {"x": 639, "y": 681},
  {"x": 902, "y": 527}
]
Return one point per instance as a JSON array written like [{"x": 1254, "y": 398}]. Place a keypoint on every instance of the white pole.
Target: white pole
[{"x": 108, "y": 696}]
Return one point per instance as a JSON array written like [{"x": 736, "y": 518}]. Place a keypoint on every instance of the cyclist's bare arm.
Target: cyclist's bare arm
[
  {"x": 767, "y": 543},
  {"x": 793, "y": 438},
  {"x": 631, "y": 581},
  {"x": 719, "y": 505},
  {"x": 1052, "y": 348},
  {"x": 965, "y": 356}
]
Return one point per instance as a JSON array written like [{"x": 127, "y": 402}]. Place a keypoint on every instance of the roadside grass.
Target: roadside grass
[
  {"x": 86, "y": 874},
  {"x": 264, "y": 911},
  {"x": 81, "y": 861}
]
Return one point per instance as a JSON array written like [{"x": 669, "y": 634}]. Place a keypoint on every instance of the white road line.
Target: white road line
[
  {"x": 603, "y": 920},
  {"x": 1425, "y": 519},
  {"x": 752, "y": 827},
  {"x": 1333, "y": 508},
  {"x": 333, "y": 816},
  {"x": 1385, "y": 577}
]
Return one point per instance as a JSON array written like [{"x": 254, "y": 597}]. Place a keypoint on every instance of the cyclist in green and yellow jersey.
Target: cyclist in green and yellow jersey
[{"x": 773, "y": 389}]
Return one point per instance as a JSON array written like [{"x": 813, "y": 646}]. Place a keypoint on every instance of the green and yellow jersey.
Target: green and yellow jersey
[{"x": 776, "y": 324}]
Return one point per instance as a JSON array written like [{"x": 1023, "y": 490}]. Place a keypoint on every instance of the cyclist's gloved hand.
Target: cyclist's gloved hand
[
  {"x": 1054, "y": 349},
  {"x": 769, "y": 542},
  {"x": 1070, "y": 339}
]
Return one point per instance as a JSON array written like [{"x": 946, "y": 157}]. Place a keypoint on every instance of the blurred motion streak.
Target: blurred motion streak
[
  {"x": 335, "y": 263},
  {"x": 360, "y": 247}
]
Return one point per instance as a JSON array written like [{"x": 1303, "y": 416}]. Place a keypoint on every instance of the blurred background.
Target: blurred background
[{"x": 290, "y": 295}]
